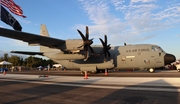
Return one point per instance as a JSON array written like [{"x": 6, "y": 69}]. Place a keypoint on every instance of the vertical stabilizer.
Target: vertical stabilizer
[{"x": 44, "y": 32}]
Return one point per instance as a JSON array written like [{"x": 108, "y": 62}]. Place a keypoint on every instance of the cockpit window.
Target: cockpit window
[
  {"x": 161, "y": 49},
  {"x": 156, "y": 48}
]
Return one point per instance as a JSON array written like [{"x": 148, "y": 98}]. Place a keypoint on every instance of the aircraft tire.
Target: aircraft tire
[
  {"x": 178, "y": 70},
  {"x": 98, "y": 71},
  {"x": 151, "y": 70},
  {"x": 103, "y": 71}
]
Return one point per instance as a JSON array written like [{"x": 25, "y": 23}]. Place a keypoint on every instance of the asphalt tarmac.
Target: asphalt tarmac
[
  {"x": 14, "y": 92},
  {"x": 27, "y": 93}
]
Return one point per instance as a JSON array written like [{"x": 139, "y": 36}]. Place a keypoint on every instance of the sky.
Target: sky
[{"x": 131, "y": 21}]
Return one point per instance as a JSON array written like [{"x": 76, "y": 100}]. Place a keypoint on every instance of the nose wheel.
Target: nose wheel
[{"x": 151, "y": 70}]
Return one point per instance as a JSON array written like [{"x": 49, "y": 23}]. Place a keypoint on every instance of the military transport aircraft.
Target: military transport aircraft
[{"x": 79, "y": 54}]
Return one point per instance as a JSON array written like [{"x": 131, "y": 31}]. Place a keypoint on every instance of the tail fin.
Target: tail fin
[{"x": 44, "y": 32}]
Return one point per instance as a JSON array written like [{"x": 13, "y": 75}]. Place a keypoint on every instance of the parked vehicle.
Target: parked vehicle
[{"x": 57, "y": 66}]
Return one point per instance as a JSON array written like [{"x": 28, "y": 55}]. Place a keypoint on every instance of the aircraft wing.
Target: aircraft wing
[
  {"x": 32, "y": 38},
  {"x": 28, "y": 53}
]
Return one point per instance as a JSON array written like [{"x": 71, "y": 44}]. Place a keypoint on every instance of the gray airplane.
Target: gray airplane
[{"x": 79, "y": 54}]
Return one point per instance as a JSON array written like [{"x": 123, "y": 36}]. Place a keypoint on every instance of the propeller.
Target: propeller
[
  {"x": 106, "y": 48},
  {"x": 86, "y": 43}
]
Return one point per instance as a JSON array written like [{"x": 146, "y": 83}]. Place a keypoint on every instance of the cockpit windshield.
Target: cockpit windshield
[{"x": 156, "y": 48}]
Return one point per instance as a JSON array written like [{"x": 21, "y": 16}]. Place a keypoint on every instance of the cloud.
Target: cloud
[
  {"x": 98, "y": 12},
  {"x": 178, "y": 36},
  {"x": 18, "y": 45},
  {"x": 13, "y": 42},
  {"x": 23, "y": 20},
  {"x": 117, "y": 2},
  {"x": 168, "y": 13},
  {"x": 144, "y": 1},
  {"x": 129, "y": 20}
]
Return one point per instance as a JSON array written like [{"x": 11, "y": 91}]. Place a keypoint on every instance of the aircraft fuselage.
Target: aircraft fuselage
[{"x": 141, "y": 56}]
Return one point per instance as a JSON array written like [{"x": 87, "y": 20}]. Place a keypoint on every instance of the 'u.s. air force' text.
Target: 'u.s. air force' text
[{"x": 137, "y": 50}]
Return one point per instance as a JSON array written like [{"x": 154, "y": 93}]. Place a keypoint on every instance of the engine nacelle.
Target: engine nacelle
[{"x": 73, "y": 44}]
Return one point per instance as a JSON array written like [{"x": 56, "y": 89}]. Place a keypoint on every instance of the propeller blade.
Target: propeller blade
[
  {"x": 91, "y": 39},
  {"x": 86, "y": 43},
  {"x": 86, "y": 55},
  {"x": 105, "y": 59},
  {"x": 102, "y": 42},
  {"x": 87, "y": 33},
  {"x": 105, "y": 54},
  {"x": 92, "y": 51},
  {"x": 109, "y": 55},
  {"x": 106, "y": 48},
  {"x": 86, "y": 48},
  {"x": 82, "y": 36},
  {"x": 81, "y": 46},
  {"x": 109, "y": 47},
  {"x": 105, "y": 38}
]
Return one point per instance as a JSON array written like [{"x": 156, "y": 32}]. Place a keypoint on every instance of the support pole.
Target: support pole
[{"x": 48, "y": 68}]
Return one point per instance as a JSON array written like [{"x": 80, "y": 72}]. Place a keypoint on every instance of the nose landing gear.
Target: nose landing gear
[{"x": 151, "y": 70}]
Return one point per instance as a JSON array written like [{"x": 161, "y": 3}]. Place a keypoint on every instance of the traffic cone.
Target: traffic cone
[
  {"x": 106, "y": 73},
  {"x": 64, "y": 70},
  {"x": 85, "y": 75},
  {"x": 4, "y": 72}
]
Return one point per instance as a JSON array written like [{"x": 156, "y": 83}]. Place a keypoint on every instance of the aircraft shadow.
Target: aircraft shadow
[{"x": 126, "y": 96}]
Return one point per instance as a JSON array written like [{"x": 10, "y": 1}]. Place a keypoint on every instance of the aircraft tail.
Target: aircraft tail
[{"x": 44, "y": 32}]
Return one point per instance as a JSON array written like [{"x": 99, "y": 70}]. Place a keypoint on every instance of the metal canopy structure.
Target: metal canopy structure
[{"x": 5, "y": 63}]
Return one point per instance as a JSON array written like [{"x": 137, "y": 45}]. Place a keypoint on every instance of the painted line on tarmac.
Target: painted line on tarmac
[{"x": 142, "y": 88}]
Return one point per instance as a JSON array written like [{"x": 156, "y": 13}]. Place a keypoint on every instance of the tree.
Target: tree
[
  {"x": 6, "y": 57},
  {"x": 35, "y": 62},
  {"x": 1, "y": 59},
  {"x": 16, "y": 60},
  {"x": 29, "y": 62}
]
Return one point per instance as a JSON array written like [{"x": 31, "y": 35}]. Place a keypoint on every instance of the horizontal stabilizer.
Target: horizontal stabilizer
[{"x": 28, "y": 53}]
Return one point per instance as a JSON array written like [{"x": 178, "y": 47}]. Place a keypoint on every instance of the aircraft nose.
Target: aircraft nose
[{"x": 169, "y": 58}]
